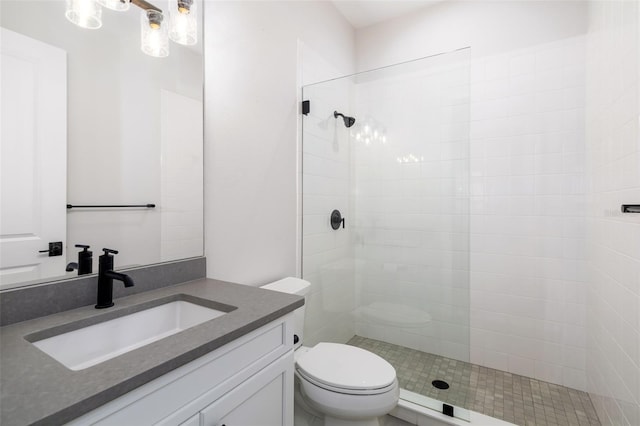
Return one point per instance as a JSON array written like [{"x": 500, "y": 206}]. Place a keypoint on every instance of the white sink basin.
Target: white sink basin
[{"x": 85, "y": 347}]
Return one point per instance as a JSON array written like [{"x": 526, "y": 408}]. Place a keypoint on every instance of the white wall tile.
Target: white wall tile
[
  {"x": 613, "y": 372},
  {"x": 523, "y": 251}
]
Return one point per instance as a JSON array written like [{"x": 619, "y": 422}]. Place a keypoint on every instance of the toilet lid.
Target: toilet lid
[{"x": 346, "y": 367}]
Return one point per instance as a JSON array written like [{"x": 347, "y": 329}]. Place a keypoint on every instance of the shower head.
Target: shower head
[{"x": 348, "y": 121}]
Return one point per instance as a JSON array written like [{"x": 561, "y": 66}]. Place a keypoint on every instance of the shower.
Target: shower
[{"x": 348, "y": 121}]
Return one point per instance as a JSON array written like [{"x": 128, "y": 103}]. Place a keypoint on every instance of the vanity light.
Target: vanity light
[
  {"x": 154, "y": 34},
  {"x": 183, "y": 27},
  {"x": 84, "y": 13},
  {"x": 180, "y": 24},
  {"x": 118, "y": 5}
]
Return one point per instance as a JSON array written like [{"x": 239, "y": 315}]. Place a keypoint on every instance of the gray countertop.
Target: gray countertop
[{"x": 36, "y": 389}]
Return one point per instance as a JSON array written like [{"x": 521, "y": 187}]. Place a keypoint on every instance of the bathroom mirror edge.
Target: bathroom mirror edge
[{"x": 131, "y": 47}]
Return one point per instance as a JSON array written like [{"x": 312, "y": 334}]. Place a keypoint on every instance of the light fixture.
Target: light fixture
[
  {"x": 119, "y": 5},
  {"x": 183, "y": 26},
  {"x": 180, "y": 22},
  {"x": 154, "y": 36},
  {"x": 84, "y": 13}
]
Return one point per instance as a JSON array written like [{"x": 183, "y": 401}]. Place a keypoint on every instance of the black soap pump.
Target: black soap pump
[{"x": 85, "y": 260}]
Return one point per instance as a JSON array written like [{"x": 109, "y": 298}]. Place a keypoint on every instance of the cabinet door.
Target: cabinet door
[{"x": 263, "y": 400}]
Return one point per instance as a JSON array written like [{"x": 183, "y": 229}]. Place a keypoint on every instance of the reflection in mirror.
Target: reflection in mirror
[{"x": 89, "y": 119}]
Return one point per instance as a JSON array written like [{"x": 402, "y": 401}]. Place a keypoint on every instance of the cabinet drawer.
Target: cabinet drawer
[{"x": 259, "y": 401}]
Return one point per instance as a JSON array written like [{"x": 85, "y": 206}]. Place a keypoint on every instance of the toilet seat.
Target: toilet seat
[
  {"x": 344, "y": 391},
  {"x": 346, "y": 369}
]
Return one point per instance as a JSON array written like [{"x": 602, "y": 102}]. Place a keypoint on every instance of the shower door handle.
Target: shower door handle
[{"x": 337, "y": 219}]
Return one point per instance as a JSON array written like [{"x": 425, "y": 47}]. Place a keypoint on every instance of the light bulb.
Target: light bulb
[
  {"x": 183, "y": 22},
  {"x": 154, "y": 37},
  {"x": 84, "y": 13}
]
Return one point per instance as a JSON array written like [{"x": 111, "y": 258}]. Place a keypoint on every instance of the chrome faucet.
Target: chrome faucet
[{"x": 106, "y": 275}]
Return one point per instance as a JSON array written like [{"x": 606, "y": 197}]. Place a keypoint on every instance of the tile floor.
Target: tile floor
[{"x": 510, "y": 397}]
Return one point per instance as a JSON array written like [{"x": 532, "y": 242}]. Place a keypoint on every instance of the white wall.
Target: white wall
[
  {"x": 613, "y": 177},
  {"x": 527, "y": 172},
  {"x": 253, "y": 75},
  {"x": 488, "y": 27}
]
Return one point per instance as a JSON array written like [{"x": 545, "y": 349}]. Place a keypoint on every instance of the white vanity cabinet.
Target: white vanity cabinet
[{"x": 247, "y": 382}]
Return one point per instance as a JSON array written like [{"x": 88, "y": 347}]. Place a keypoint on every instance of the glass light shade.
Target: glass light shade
[
  {"x": 84, "y": 13},
  {"x": 119, "y": 5},
  {"x": 183, "y": 22},
  {"x": 154, "y": 34}
]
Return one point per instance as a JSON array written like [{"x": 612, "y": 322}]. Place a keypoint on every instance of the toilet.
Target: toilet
[{"x": 348, "y": 386}]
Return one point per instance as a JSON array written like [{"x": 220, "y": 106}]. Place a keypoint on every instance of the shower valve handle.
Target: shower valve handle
[{"x": 337, "y": 219}]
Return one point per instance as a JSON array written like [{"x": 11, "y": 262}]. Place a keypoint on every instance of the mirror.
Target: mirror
[{"x": 129, "y": 132}]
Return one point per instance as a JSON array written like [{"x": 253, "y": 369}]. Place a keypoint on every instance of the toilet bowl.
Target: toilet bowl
[{"x": 348, "y": 386}]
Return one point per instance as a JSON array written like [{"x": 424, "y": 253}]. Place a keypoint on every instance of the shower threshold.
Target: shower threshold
[
  {"x": 416, "y": 414},
  {"x": 490, "y": 392}
]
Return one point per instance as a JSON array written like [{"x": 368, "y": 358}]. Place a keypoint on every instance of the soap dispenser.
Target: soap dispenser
[{"x": 85, "y": 260}]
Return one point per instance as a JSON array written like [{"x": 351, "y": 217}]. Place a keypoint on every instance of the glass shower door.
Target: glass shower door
[{"x": 401, "y": 263}]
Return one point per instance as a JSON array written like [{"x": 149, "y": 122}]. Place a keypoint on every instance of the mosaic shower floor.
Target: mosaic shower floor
[{"x": 510, "y": 397}]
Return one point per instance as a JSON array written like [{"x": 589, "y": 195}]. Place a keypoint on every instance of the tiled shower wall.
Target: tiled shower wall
[
  {"x": 528, "y": 212},
  {"x": 613, "y": 160}
]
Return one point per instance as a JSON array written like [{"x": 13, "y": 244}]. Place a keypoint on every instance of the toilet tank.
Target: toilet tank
[{"x": 297, "y": 286}]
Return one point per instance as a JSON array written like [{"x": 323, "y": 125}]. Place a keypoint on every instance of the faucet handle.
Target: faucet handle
[
  {"x": 107, "y": 251},
  {"x": 82, "y": 246}
]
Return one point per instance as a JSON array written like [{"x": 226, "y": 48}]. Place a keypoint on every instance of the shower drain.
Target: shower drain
[{"x": 440, "y": 384}]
